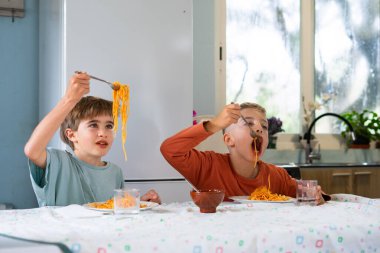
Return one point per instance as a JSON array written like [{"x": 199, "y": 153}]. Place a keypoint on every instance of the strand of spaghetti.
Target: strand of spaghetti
[
  {"x": 254, "y": 140},
  {"x": 115, "y": 111},
  {"x": 125, "y": 115},
  {"x": 121, "y": 95}
]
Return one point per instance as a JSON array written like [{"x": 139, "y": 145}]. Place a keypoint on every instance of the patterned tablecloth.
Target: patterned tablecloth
[{"x": 349, "y": 223}]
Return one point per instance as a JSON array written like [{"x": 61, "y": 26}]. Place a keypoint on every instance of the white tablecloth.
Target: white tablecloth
[{"x": 347, "y": 224}]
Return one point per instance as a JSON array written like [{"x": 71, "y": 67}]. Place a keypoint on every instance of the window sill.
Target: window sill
[{"x": 326, "y": 141}]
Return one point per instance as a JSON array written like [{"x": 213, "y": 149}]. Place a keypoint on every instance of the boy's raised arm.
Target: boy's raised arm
[
  {"x": 35, "y": 148},
  {"x": 179, "y": 150}
]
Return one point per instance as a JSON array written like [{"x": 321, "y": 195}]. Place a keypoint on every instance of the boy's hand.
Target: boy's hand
[
  {"x": 320, "y": 199},
  {"x": 151, "y": 196},
  {"x": 79, "y": 85},
  {"x": 229, "y": 115}
]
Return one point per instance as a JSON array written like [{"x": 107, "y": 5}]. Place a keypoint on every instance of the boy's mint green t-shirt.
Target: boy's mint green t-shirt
[{"x": 67, "y": 180}]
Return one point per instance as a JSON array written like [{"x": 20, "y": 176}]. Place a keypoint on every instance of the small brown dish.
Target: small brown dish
[{"x": 207, "y": 200}]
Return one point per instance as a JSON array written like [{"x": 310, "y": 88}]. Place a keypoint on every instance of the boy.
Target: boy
[
  {"x": 60, "y": 178},
  {"x": 240, "y": 171}
]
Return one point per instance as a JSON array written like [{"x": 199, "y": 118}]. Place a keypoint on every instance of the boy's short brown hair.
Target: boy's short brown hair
[
  {"x": 246, "y": 105},
  {"x": 253, "y": 106},
  {"x": 87, "y": 108}
]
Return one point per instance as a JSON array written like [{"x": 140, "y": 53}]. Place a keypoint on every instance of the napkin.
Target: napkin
[{"x": 77, "y": 211}]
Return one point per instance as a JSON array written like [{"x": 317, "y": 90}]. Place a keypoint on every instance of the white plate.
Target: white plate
[
  {"x": 244, "y": 199},
  {"x": 148, "y": 204}
]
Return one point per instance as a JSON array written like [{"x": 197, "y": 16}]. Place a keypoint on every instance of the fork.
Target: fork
[
  {"x": 251, "y": 132},
  {"x": 113, "y": 86}
]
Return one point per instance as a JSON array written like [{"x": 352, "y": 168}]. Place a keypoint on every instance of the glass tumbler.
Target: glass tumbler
[
  {"x": 307, "y": 192},
  {"x": 126, "y": 201}
]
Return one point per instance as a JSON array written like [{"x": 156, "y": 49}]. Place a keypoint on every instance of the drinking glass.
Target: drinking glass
[
  {"x": 126, "y": 201},
  {"x": 307, "y": 192}
]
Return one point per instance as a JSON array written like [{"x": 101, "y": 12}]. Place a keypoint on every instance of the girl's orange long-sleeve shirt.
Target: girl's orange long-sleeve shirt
[{"x": 210, "y": 170}]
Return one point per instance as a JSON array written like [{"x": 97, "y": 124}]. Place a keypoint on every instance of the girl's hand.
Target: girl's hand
[{"x": 151, "y": 196}]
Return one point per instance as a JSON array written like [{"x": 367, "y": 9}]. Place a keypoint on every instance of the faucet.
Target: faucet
[{"x": 308, "y": 150}]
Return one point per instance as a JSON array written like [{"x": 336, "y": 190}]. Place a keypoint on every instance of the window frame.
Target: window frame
[
  {"x": 306, "y": 52},
  {"x": 307, "y": 70}
]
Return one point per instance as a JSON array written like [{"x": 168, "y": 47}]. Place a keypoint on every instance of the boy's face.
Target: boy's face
[
  {"x": 94, "y": 137},
  {"x": 243, "y": 143}
]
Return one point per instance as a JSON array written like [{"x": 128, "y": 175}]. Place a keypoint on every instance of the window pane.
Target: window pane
[
  {"x": 262, "y": 64},
  {"x": 347, "y": 57}
]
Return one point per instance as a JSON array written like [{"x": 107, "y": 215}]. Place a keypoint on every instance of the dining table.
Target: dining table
[{"x": 347, "y": 223}]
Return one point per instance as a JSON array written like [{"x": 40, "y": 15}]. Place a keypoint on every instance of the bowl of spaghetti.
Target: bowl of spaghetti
[{"x": 207, "y": 200}]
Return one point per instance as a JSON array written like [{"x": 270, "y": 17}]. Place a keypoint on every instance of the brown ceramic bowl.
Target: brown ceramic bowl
[{"x": 207, "y": 200}]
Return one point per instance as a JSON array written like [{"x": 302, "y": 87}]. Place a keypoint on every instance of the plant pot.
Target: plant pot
[
  {"x": 359, "y": 146},
  {"x": 272, "y": 142},
  {"x": 360, "y": 142},
  {"x": 365, "y": 125}
]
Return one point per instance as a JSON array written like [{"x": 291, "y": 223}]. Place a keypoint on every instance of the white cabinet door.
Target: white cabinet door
[{"x": 169, "y": 191}]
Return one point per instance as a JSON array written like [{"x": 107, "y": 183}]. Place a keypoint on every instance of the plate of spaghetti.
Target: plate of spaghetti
[
  {"x": 264, "y": 194},
  {"x": 107, "y": 206},
  {"x": 246, "y": 199}
]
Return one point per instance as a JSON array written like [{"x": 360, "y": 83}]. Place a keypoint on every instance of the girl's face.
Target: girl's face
[
  {"x": 93, "y": 139},
  {"x": 245, "y": 145}
]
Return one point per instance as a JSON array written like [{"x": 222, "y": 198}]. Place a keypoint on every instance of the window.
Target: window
[
  {"x": 347, "y": 56},
  {"x": 275, "y": 57},
  {"x": 262, "y": 64}
]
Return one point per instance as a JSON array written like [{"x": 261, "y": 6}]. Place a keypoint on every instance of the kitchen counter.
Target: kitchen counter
[
  {"x": 353, "y": 178},
  {"x": 341, "y": 156},
  {"x": 180, "y": 227}
]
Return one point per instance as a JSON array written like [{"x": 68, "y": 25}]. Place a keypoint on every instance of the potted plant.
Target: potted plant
[{"x": 366, "y": 126}]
